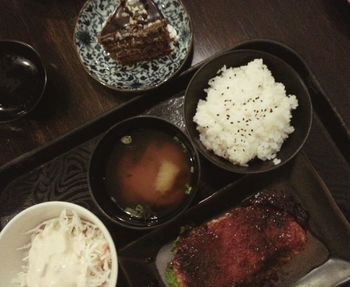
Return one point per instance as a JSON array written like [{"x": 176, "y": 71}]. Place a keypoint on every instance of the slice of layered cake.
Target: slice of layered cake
[{"x": 137, "y": 31}]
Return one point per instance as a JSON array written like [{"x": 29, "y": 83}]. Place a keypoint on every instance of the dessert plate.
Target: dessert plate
[{"x": 144, "y": 75}]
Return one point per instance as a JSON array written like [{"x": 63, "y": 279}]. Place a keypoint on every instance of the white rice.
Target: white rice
[{"x": 246, "y": 114}]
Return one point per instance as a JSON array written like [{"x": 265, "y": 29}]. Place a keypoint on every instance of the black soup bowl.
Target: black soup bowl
[
  {"x": 283, "y": 73},
  {"x": 22, "y": 79},
  {"x": 144, "y": 172}
]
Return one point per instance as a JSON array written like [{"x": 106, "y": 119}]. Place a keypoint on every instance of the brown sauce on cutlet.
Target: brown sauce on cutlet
[{"x": 239, "y": 248}]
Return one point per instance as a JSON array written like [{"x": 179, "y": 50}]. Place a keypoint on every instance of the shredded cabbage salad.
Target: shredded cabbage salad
[{"x": 66, "y": 251}]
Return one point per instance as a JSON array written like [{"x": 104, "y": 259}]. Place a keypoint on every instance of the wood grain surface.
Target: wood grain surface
[{"x": 318, "y": 29}]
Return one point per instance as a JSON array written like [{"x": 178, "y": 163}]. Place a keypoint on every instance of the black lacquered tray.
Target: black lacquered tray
[
  {"x": 59, "y": 170},
  {"x": 326, "y": 250}
]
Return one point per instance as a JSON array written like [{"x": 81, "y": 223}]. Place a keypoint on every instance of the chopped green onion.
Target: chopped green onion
[
  {"x": 188, "y": 188},
  {"x": 137, "y": 212},
  {"x": 126, "y": 140}
]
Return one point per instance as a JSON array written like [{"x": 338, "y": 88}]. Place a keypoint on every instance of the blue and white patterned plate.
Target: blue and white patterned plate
[{"x": 138, "y": 77}]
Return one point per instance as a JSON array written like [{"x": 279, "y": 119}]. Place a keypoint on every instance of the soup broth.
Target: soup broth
[{"x": 148, "y": 174}]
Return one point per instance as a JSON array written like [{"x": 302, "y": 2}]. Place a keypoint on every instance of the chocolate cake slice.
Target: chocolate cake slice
[{"x": 137, "y": 31}]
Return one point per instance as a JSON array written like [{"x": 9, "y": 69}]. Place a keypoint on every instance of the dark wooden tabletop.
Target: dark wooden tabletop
[{"x": 318, "y": 29}]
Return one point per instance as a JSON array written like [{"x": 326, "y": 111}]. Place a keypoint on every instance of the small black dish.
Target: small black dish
[
  {"x": 282, "y": 72},
  {"x": 22, "y": 79},
  {"x": 99, "y": 173}
]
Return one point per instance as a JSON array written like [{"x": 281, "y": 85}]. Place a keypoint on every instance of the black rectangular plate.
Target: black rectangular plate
[{"x": 145, "y": 260}]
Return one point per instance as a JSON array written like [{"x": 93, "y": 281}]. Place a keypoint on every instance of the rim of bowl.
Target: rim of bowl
[
  {"x": 176, "y": 213},
  {"x": 42, "y": 66},
  {"x": 76, "y": 207},
  {"x": 233, "y": 169},
  {"x": 133, "y": 91}
]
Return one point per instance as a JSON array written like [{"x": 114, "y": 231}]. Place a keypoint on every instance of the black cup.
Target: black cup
[{"x": 22, "y": 79}]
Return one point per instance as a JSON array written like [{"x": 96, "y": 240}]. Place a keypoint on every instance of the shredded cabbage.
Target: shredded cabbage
[{"x": 90, "y": 250}]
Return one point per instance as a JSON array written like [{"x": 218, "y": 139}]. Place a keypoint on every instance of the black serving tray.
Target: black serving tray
[
  {"x": 58, "y": 171},
  {"x": 326, "y": 251}
]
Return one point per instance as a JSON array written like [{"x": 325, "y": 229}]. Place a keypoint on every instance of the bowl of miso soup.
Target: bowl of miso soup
[{"x": 144, "y": 172}]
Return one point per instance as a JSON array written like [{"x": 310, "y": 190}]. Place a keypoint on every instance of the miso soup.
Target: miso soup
[{"x": 149, "y": 173}]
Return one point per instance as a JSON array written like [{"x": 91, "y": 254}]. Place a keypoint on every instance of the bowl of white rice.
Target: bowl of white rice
[{"x": 247, "y": 111}]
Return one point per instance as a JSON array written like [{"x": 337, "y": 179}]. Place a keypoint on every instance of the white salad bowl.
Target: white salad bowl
[{"x": 15, "y": 235}]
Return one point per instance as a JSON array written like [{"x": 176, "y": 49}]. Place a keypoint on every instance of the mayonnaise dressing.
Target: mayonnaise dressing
[{"x": 55, "y": 260}]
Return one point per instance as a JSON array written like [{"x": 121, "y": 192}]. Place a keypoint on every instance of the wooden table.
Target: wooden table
[{"x": 318, "y": 29}]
